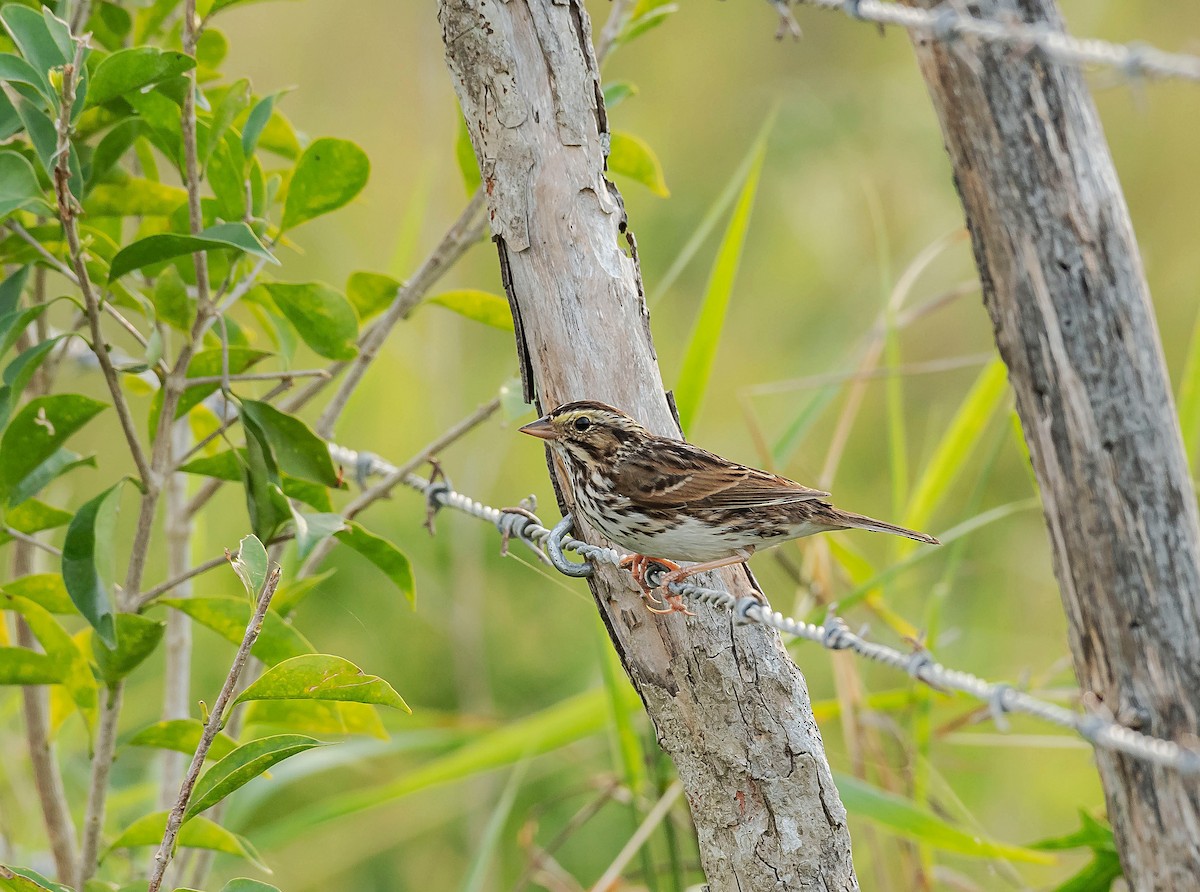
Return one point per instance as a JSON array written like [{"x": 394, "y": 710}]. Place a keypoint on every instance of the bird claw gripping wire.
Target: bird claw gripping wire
[
  {"x": 554, "y": 550},
  {"x": 514, "y": 522},
  {"x": 435, "y": 493}
]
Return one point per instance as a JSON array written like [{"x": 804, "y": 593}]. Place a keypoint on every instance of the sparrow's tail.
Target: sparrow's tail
[{"x": 862, "y": 522}]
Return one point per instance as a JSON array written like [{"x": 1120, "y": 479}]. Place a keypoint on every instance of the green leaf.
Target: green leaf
[
  {"x": 134, "y": 197},
  {"x": 957, "y": 443},
  {"x": 464, "y": 153},
  {"x": 648, "y": 14},
  {"x": 632, "y": 157},
  {"x": 269, "y": 508},
  {"x": 110, "y": 25},
  {"x": 617, "y": 92},
  {"x": 182, "y": 736},
  {"x": 165, "y": 246},
  {"x": 322, "y": 316},
  {"x": 702, "y": 344},
  {"x": 243, "y": 884},
  {"x": 10, "y": 292},
  {"x": 317, "y": 717},
  {"x": 312, "y": 529},
  {"x": 256, "y": 121},
  {"x": 59, "y": 463},
  {"x": 32, "y": 516},
  {"x": 22, "y": 666},
  {"x": 1098, "y": 875},
  {"x": 16, "y": 70},
  {"x": 327, "y": 176},
  {"x": 370, "y": 293},
  {"x": 482, "y": 306},
  {"x": 87, "y": 561},
  {"x": 44, "y": 589},
  {"x": 228, "y": 617},
  {"x": 20, "y": 372},
  {"x": 383, "y": 554},
  {"x": 74, "y": 672},
  {"x": 251, "y": 564},
  {"x": 112, "y": 148},
  {"x": 137, "y": 638},
  {"x": 211, "y": 48},
  {"x": 19, "y": 188},
  {"x": 197, "y": 833},
  {"x": 33, "y": 38},
  {"x": 37, "y": 432},
  {"x": 172, "y": 303},
  {"x": 289, "y": 596},
  {"x": 905, "y": 818},
  {"x": 233, "y": 102},
  {"x": 298, "y": 451},
  {"x": 132, "y": 69},
  {"x": 25, "y": 879},
  {"x": 243, "y": 765},
  {"x": 321, "y": 677},
  {"x": 205, "y": 364}
]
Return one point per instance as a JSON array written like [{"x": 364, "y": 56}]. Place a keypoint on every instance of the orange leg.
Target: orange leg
[
  {"x": 679, "y": 574},
  {"x": 638, "y": 564}
]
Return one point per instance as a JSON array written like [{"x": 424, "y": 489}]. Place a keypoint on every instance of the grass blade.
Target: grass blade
[
  {"x": 957, "y": 444},
  {"x": 477, "y": 876},
  {"x": 706, "y": 333},
  {"x": 907, "y": 819}
]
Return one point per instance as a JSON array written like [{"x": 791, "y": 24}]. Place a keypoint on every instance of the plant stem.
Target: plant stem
[
  {"x": 191, "y": 158},
  {"x": 140, "y": 602},
  {"x": 175, "y": 819},
  {"x": 392, "y": 480},
  {"x": 26, "y": 539},
  {"x": 66, "y": 213},
  {"x": 284, "y": 375},
  {"x": 46, "y": 777},
  {"x": 178, "y": 638},
  {"x": 463, "y": 233},
  {"x": 102, "y": 758}
]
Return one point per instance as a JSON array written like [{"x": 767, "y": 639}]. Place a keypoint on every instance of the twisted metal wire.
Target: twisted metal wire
[
  {"x": 833, "y": 634},
  {"x": 945, "y": 23}
]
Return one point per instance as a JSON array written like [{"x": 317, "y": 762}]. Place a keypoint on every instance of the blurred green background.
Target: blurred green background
[{"x": 854, "y": 188}]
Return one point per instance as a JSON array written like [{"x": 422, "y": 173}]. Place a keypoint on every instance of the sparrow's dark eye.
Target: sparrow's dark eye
[{"x": 582, "y": 423}]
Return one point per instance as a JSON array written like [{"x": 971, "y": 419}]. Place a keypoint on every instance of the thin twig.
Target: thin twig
[
  {"x": 80, "y": 17},
  {"x": 397, "y": 476},
  {"x": 143, "y": 599},
  {"x": 175, "y": 819},
  {"x": 177, "y": 640},
  {"x": 30, "y": 540},
  {"x": 102, "y": 759},
  {"x": 631, "y": 848},
  {"x": 259, "y": 376},
  {"x": 190, "y": 155},
  {"x": 464, "y": 232},
  {"x": 66, "y": 213},
  {"x": 613, "y": 25},
  {"x": 946, "y": 23},
  {"x": 56, "y": 812}
]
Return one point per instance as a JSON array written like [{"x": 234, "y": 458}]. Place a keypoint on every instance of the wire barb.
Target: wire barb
[
  {"x": 554, "y": 549},
  {"x": 1100, "y": 730}
]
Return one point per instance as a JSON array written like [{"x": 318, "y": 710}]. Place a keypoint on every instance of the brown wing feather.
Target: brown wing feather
[{"x": 670, "y": 474}]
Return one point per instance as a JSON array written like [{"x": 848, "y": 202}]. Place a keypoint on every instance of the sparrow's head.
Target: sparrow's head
[{"x": 587, "y": 430}]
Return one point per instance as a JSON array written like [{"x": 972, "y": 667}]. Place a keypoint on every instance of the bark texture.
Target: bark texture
[
  {"x": 729, "y": 706},
  {"x": 1063, "y": 282}
]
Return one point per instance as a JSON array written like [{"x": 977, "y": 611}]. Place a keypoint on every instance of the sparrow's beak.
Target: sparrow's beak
[{"x": 542, "y": 429}]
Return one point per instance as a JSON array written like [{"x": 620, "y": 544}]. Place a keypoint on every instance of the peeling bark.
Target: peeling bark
[
  {"x": 1063, "y": 282},
  {"x": 729, "y": 706}
]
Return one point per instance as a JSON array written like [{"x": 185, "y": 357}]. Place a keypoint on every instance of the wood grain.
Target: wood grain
[{"x": 728, "y": 704}]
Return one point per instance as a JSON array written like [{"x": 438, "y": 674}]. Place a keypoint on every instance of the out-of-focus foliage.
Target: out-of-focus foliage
[{"x": 820, "y": 322}]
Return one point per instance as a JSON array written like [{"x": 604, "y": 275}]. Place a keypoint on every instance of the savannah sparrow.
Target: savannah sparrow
[{"x": 666, "y": 500}]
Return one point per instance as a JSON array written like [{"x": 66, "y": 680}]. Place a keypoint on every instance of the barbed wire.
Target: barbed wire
[
  {"x": 947, "y": 23},
  {"x": 833, "y": 634}
]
